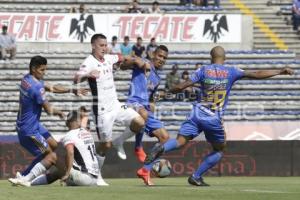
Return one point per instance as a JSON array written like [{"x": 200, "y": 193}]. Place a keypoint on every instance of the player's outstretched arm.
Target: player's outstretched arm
[
  {"x": 69, "y": 161},
  {"x": 61, "y": 89},
  {"x": 262, "y": 74},
  {"x": 84, "y": 115},
  {"x": 181, "y": 86},
  {"x": 129, "y": 62},
  {"x": 53, "y": 111}
]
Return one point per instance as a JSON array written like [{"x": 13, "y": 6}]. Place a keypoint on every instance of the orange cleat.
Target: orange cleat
[
  {"x": 144, "y": 174},
  {"x": 140, "y": 154}
]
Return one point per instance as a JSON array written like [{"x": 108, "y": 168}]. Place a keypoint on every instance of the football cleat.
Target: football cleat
[
  {"x": 100, "y": 181},
  {"x": 197, "y": 181},
  {"x": 19, "y": 181},
  {"x": 120, "y": 151},
  {"x": 145, "y": 175}
]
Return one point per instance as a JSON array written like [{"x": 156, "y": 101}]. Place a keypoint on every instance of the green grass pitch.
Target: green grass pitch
[{"x": 222, "y": 188}]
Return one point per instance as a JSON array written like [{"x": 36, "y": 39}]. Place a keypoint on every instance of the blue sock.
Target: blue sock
[
  {"x": 149, "y": 166},
  {"x": 170, "y": 145},
  {"x": 209, "y": 161},
  {"x": 32, "y": 164},
  {"x": 138, "y": 139}
]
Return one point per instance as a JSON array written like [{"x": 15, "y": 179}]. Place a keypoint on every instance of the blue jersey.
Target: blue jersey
[
  {"x": 32, "y": 96},
  {"x": 215, "y": 82},
  {"x": 143, "y": 85}
]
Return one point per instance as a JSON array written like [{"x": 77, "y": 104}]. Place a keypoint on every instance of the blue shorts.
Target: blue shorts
[
  {"x": 202, "y": 119},
  {"x": 35, "y": 143},
  {"x": 152, "y": 123}
]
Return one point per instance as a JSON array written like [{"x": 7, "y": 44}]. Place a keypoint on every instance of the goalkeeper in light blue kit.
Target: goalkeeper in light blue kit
[{"x": 215, "y": 82}]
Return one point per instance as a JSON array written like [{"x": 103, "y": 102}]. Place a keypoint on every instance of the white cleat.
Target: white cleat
[
  {"x": 101, "y": 182},
  {"x": 19, "y": 181},
  {"x": 24, "y": 183},
  {"x": 121, "y": 151},
  {"x": 13, "y": 181}
]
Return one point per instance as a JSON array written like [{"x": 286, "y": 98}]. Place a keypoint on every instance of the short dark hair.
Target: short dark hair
[
  {"x": 155, "y": 3},
  {"x": 152, "y": 39},
  {"x": 96, "y": 36},
  {"x": 139, "y": 38},
  {"x": 185, "y": 72},
  {"x": 37, "y": 61},
  {"x": 126, "y": 38},
  {"x": 163, "y": 48},
  {"x": 4, "y": 27},
  {"x": 114, "y": 38},
  {"x": 73, "y": 116}
]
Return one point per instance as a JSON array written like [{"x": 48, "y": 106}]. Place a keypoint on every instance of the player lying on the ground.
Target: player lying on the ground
[
  {"x": 33, "y": 136},
  {"x": 215, "y": 81},
  {"x": 80, "y": 168}
]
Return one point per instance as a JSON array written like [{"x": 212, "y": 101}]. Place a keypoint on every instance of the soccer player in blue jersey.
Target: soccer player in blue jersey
[
  {"x": 215, "y": 81},
  {"x": 33, "y": 136},
  {"x": 144, "y": 83}
]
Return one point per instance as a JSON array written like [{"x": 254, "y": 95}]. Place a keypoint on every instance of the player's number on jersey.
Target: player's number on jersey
[
  {"x": 124, "y": 107},
  {"x": 217, "y": 97},
  {"x": 92, "y": 150}
]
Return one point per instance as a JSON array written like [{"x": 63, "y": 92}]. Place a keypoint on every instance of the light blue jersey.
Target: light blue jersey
[
  {"x": 215, "y": 82},
  {"x": 143, "y": 86},
  {"x": 32, "y": 135}
]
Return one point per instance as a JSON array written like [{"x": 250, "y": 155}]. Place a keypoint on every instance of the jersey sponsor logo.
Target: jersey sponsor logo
[
  {"x": 216, "y": 73},
  {"x": 213, "y": 81}
]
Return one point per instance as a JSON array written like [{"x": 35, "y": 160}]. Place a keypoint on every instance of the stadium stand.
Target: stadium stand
[{"x": 278, "y": 96}]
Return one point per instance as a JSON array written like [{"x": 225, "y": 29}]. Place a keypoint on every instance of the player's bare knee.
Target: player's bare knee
[
  {"x": 182, "y": 140},
  {"x": 137, "y": 124},
  {"x": 51, "y": 158},
  {"x": 108, "y": 145},
  {"x": 144, "y": 114},
  {"x": 163, "y": 137}
]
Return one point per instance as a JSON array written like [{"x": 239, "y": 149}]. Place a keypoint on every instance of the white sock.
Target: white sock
[
  {"x": 123, "y": 137},
  {"x": 100, "y": 161},
  {"x": 37, "y": 170},
  {"x": 40, "y": 180}
]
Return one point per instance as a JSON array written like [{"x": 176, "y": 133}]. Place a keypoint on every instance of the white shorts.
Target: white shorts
[
  {"x": 121, "y": 114},
  {"x": 78, "y": 178}
]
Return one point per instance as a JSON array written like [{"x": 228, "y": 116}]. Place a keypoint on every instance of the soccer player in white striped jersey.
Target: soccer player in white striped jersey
[{"x": 97, "y": 69}]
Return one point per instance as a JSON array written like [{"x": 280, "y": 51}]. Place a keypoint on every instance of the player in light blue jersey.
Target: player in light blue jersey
[
  {"x": 144, "y": 83},
  {"x": 33, "y": 136},
  {"x": 215, "y": 82}
]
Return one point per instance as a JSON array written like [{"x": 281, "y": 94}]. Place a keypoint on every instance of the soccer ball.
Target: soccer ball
[{"x": 161, "y": 168}]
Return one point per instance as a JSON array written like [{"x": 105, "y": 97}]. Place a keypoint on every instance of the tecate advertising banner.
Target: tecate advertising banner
[{"x": 175, "y": 28}]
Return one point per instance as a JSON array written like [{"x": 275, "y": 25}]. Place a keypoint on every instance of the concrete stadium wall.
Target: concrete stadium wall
[{"x": 251, "y": 158}]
